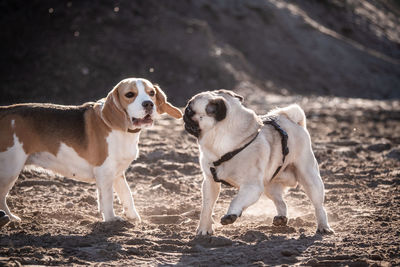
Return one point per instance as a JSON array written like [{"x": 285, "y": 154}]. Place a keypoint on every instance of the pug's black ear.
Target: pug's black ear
[
  {"x": 231, "y": 93},
  {"x": 239, "y": 97},
  {"x": 217, "y": 109}
]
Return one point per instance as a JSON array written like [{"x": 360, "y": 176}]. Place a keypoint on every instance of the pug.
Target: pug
[{"x": 256, "y": 154}]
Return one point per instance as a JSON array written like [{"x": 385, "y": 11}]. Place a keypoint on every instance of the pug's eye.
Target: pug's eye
[
  {"x": 152, "y": 93},
  {"x": 189, "y": 111},
  {"x": 129, "y": 95}
]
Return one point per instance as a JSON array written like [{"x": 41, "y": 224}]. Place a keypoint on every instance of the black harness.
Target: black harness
[{"x": 266, "y": 121}]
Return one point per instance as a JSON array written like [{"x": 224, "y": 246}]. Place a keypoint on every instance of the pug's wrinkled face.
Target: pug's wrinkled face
[{"x": 206, "y": 109}]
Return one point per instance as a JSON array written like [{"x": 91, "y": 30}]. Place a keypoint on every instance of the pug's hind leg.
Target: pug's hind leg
[
  {"x": 275, "y": 192},
  {"x": 311, "y": 181}
]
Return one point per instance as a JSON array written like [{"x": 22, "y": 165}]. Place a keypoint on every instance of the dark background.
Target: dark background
[{"x": 69, "y": 52}]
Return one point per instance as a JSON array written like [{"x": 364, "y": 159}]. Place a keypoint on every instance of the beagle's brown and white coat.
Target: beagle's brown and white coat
[{"x": 94, "y": 142}]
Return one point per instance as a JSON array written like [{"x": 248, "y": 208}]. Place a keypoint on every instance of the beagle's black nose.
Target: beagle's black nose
[{"x": 148, "y": 105}]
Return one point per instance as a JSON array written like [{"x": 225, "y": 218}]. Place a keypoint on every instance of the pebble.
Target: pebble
[
  {"x": 134, "y": 251},
  {"x": 197, "y": 248},
  {"x": 85, "y": 222},
  {"x": 155, "y": 155},
  {"x": 312, "y": 262},
  {"x": 69, "y": 205},
  {"x": 53, "y": 188},
  {"x": 376, "y": 257}
]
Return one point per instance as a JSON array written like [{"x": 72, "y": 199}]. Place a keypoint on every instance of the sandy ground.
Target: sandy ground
[{"x": 357, "y": 144}]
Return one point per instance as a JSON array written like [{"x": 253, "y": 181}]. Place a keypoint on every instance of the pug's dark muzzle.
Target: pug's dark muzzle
[{"x": 191, "y": 126}]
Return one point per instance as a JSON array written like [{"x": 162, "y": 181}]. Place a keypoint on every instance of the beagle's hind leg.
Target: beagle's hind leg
[
  {"x": 125, "y": 196},
  {"x": 12, "y": 161},
  {"x": 5, "y": 186}
]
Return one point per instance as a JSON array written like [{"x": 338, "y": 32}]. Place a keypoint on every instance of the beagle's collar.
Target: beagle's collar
[{"x": 134, "y": 131}]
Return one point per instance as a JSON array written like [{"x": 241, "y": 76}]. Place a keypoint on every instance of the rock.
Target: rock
[
  {"x": 221, "y": 242},
  {"x": 347, "y": 152},
  {"x": 89, "y": 199},
  {"x": 155, "y": 155},
  {"x": 350, "y": 154},
  {"x": 134, "y": 251},
  {"x": 379, "y": 147},
  {"x": 211, "y": 241},
  {"x": 197, "y": 248},
  {"x": 165, "y": 219},
  {"x": 289, "y": 252},
  {"x": 394, "y": 154},
  {"x": 85, "y": 222},
  {"x": 69, "y": 205},
  {"x": 280, "y": 221},
  {"x": 345, "y": 142},
  {"x": 312, "y": 262},
  {"x": 376, "y": 257},
  {"x": 53, "y": 188}
]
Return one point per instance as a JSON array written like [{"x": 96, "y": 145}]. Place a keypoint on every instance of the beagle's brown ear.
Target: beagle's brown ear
[
  {"x": 165, "y": 107},
  {"x": 113, "y": 113}
]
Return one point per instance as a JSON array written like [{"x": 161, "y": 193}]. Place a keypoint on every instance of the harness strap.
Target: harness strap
[
  {"x": 230, "y": 155},
  {"x": 233, "y": 153},
  {"x": 227, "y": 157},
  {"x": 215, "y": 177},
  {"x": 284, "y": 139}
]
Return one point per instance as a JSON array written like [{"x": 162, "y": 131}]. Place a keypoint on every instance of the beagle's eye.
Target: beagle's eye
[
  {"x": 152, "y": 93},
  {"x": 129, "y": 95}
]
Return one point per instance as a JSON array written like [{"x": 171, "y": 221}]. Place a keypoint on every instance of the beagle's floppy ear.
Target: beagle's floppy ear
[
  {"x": 165, "y": 107},
  {"x": 113, "y": 113}
]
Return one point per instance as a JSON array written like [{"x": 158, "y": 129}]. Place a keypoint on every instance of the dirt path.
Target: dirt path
[{"x": 357, "y": 143}]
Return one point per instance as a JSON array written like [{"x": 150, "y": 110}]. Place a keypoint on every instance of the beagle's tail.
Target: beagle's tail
[{"x": 295, "y": 113}]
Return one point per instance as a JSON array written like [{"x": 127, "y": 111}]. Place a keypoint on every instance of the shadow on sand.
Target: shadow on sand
[
  {"x": 252, "y": 247},
  {"x": 94, "y": 246}
]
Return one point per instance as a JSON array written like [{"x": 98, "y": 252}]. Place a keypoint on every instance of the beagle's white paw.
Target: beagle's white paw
[{"x": 205, "y": 230}]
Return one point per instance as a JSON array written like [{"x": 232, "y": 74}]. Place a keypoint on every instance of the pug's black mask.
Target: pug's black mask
[{"x": 191, "y": 126}]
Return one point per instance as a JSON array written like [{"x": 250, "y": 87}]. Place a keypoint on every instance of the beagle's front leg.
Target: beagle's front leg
[
  {"x": 125, "y": 196},
  {"x": 210, "y": 192},
  {"x": 105, "y": 194}
]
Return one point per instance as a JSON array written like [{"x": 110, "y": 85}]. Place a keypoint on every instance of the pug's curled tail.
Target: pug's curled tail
[{"x": 295, "y": 113}]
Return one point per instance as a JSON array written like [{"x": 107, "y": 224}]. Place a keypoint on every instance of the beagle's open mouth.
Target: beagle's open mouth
[{"x": 145, "y": 120}]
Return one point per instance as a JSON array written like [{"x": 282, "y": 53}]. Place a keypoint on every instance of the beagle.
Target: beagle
[{"x": 94, "y": 142}]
